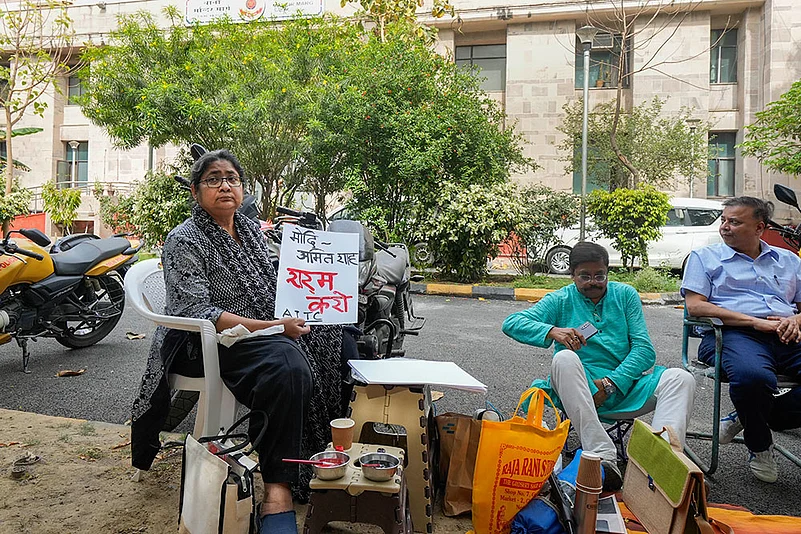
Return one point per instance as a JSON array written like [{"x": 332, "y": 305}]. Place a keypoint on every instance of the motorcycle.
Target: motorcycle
[
  {"x": 790, "y": 234},
  {"x": 386, "y": 311},
  {"x": 74, "y": 296}
]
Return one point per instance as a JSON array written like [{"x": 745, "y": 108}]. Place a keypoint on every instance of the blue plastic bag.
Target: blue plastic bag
[
  {"x": 541, "y": 515},
  {"x": 538, "y": 517}
]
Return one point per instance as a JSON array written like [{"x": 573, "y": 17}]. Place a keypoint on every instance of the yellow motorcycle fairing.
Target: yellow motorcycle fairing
[
  {"x": 112, "y": 263},
  {"x": 108, "y": 265},
  {"x": 22, "y": 269}
]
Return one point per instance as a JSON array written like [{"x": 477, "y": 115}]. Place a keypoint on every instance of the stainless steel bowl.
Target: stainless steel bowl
[
  {"x": 386, "y": 469},
  {"x": 333, "y": 471}
]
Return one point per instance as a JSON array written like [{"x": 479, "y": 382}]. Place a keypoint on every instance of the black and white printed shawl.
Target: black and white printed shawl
[{"x": 207, "y": 272}]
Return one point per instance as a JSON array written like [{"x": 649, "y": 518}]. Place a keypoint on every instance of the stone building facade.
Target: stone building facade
[{"x": 528, "y": 51}]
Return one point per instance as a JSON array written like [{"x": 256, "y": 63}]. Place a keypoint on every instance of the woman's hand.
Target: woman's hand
[
  {"x": 569, "y": 337},
  {"x": 293, "y": 327}
]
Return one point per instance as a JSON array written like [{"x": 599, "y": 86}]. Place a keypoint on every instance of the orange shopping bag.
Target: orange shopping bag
[{"x": 515, "y": 457}]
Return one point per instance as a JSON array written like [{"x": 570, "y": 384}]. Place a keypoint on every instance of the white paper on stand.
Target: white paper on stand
[{"x": 410, "y": 372}]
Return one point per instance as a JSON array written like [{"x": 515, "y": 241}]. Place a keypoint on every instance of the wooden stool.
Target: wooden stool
[
  {"x": 356, "y": 499},
  {"x": 408, "y": 407}
]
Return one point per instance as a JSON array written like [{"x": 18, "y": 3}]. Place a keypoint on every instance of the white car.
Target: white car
[{"x": 692, "y": 223}]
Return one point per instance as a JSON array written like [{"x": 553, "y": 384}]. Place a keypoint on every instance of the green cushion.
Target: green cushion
[{"x": 657, "y": 458}]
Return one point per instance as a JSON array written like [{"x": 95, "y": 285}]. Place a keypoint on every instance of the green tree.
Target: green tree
[
  {"x": 405, "y": 123},
  {"x": 658, "y": 146},
  {"x": 36, "y": 38},
  {"x": 385, "y": 12},
  {"x": 543, "y": 212},
  {"x": 775, "y": 137},
  {"x": 467, "y": 226},
  {"x": 641, "y": 26},
  {"x": 61, "y": 205},
  {"x": 17, "y": 132},
  {"x": 631, "y": 218},
  {"x": 245, "y": 87}
]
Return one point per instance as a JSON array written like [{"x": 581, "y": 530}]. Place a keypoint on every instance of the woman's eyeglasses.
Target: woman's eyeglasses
[
  {"x": 587, "y": 277},
  {"x": 216, "y": 181}
]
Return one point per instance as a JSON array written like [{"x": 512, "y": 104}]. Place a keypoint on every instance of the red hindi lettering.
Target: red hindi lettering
[
  {"x": 318, "y": 304},
  {"x": 324, "y": 279},
  {"x": 341, "y": 301},
  {"x": 300, "y": 278}
]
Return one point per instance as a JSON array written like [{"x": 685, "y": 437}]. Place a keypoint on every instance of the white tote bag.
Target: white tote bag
[{"x": 217, "y": 485}]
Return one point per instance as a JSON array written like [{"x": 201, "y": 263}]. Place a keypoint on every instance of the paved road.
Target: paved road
[{"x": 466, "y": 331}]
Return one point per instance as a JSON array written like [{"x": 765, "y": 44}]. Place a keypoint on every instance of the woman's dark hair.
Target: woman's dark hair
[
  {"x": 586, "y": 252},
  {"x": 762, "y": 209},
  {"x": 208, "y": 158}
]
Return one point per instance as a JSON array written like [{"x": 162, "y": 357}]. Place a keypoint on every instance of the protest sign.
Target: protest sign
[{"x": 318, "y": 276}]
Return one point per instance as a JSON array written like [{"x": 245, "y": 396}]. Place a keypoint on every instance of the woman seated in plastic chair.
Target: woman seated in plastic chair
[{"x": 217, "y": 267}]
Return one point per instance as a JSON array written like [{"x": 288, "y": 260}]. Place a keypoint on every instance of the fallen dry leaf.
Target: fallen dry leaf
[
  {"x": 134, "y": 335},
  {"x": 70, "y": 372},
  {"x": 9, "y": 444},
  {"x": 436, "y": 395},
  {"x": 121, "y": 445}
]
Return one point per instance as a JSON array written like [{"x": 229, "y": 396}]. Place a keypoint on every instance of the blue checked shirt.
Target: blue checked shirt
[{"x": 765, "y": 286}]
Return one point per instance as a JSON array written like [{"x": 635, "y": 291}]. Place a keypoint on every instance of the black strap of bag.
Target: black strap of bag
[{"x": 241, "y": 436}]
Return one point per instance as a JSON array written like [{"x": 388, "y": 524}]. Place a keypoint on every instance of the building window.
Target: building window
[
  {"x": 723, "y": 57},
  {"x": 73, "y": 170},
  {"x": 75, "y": 88},
  {"x": 488, "y": 60},
  {"x": 605, "y": 58},
  {"x": 720, "y": 182}
]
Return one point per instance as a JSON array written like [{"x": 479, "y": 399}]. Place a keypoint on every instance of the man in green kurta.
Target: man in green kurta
[{"x": 606, "y": 374}]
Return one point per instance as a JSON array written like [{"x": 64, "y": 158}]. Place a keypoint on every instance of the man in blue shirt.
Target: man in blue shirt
[
  {"x": 755, "y": 289},
  {"x": 611, "y": 373}
]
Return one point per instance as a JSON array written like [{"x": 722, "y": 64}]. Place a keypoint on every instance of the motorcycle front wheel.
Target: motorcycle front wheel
[{"x": 100, "y": 301}]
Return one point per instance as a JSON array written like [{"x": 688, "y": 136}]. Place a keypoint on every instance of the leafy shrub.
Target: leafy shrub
[
  {"x": 466, "y": 227},
  {"x": 18, "y": 202},
  {"x": 61, "y": 204},
  {"x": 157, "y": 205},
  {"x": 543, "y": 212},
  {"x": 649, "y": 280},
  {"x": 631, "y": 218},
  {"x": 116, "y": 211}
]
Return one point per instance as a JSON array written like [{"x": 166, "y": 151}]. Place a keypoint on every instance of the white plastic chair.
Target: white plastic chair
[{"x": 145, "y": 293}]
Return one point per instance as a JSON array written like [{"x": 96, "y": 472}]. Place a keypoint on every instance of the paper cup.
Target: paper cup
[
  {"x": 342, "y": 433},
  {"x": 589, "y": 473}
]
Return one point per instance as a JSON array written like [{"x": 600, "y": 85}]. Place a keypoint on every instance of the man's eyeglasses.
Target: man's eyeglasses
[
  {"x": 216, "y": 181},
  {"x": 587, "y": 277}
]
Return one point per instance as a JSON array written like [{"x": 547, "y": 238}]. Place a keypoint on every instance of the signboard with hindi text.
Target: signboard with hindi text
[
  {"x": 205, "y": 11},
  {"x": 318, "y": 276}
]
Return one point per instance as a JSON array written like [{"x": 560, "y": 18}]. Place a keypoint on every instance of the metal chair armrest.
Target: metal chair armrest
[{"x": 713, "y": 322}]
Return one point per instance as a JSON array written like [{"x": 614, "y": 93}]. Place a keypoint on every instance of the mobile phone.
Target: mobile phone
[{"x": 587, "y": 330}]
